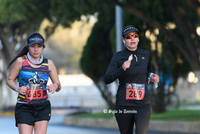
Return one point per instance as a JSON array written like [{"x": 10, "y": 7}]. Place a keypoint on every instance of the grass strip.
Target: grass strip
[
  {"x": 169, "y": 115},
  {"x": 178, "y": 115}
]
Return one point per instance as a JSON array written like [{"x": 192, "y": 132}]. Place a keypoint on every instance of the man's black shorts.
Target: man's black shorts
[{"x": 31, "y": 113}]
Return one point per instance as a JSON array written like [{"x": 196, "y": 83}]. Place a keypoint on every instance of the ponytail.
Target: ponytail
[{"x": 24, "y": 51}]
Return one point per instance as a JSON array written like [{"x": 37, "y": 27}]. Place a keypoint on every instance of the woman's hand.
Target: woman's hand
[
  {"x": 22, "y": 90},
  {"x": 155, "y": 78},
  {"x": 126, "y": 65},
  {"x": 52, "y": 88}
]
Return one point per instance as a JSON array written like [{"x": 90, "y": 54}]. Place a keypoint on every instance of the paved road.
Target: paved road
[{"x": 7, "y": 126}]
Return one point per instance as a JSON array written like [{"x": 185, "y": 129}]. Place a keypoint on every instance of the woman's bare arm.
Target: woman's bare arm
[{"x": 54, "y": 78}]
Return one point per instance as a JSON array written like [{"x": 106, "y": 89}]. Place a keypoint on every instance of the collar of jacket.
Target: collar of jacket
[{"x": 131, "y": 52}]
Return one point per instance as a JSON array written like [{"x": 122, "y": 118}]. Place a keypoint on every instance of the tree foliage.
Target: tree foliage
[
  {"x": 177, "y": 47},
  {"x": 98, "y": 52},
  {"x": 98, "y": 49},
  {"x": 183, "y": 36},
  {"x": 19, "y": 18}
]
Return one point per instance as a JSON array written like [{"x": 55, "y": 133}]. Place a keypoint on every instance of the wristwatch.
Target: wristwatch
[{"x": 58, "y": 89}]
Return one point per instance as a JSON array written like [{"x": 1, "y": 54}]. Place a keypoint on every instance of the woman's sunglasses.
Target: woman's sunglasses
[{"x": 130, "y": 36}]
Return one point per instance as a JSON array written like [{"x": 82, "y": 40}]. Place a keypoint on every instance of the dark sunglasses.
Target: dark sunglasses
[{"x": 130, "y": 36}]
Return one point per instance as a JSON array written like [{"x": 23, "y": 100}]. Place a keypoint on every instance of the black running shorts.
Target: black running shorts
[{"x": 31, "y": 113}]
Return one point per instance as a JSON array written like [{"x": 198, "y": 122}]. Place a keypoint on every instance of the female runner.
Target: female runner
[
  {"x": 32, "y": 69},
  {"x": 132, "y": 67}
]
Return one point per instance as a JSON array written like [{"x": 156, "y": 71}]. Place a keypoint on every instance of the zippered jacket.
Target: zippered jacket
[{"x": 138, "y": 73}]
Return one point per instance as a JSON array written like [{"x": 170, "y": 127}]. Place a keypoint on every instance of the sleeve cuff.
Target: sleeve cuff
[{"x": 149, "y": 78}]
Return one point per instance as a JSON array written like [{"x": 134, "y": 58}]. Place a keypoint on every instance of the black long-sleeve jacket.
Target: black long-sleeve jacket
[{"x": 138, "y": 72}]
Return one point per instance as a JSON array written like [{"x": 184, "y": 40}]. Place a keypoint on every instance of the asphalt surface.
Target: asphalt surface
[{"x": 7, "y": 126}]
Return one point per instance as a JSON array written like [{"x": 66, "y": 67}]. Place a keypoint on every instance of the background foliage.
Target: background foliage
[{"x": 174, "y": 50}]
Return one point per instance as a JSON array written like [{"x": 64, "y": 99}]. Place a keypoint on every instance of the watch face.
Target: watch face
[{"x": 58, "y": 88}]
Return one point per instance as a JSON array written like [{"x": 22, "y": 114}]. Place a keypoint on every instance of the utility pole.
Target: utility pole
[{"x": 119, "y": 24}]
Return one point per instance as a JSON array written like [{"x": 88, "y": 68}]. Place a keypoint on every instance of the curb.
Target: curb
[
  {"x": 166, "y": 126},
  {"x": 175, "y": 126},
  {"x": 88, "y": 122}
]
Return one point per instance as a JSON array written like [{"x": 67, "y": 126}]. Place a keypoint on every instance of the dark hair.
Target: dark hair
[{"x": 23, "y": 51}]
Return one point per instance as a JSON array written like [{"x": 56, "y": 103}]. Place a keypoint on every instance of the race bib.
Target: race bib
[
  {"x": 34, "y": 91},
  {"x": 135, "y": 91}
]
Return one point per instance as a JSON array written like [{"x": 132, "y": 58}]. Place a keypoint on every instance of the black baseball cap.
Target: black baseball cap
[
  {"x": 35, "y": 38},
  {"x": 129, "y": 29}
]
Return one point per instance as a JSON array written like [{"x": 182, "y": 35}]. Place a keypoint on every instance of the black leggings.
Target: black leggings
[{"x": 127, "y": 116}]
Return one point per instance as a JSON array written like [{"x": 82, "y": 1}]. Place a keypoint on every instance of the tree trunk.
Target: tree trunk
[
  {"x": 8, "y": 48},
  {"x": 158, "y": 105},
  {"x": 105, "y": 93},
  {"x": 197, "y": 74}
]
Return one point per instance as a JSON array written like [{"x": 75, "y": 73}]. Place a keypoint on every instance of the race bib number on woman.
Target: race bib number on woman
[
  {"x": 135, "y": 91},
  {"x": 35, "y": 91}
]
